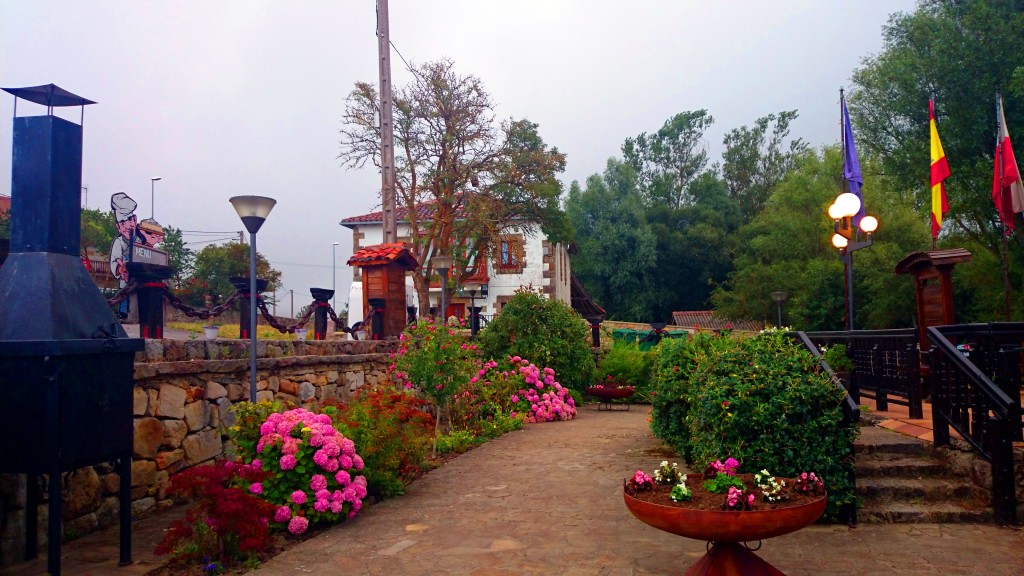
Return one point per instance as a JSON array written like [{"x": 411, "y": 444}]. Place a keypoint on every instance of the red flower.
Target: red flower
[{"x": 725, "y": 403}]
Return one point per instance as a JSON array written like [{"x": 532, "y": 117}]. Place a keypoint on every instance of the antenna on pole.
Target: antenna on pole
[{"x": 387, "y": 140}]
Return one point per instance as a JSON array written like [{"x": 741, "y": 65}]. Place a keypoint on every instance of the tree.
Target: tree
[
  {"x": 215, "y": 264},
  {"x": 667, "y": 161},
  {"x": 755, "y": 160},
  {"x": 963, "y": 51},
  {"x": 98, "y": 230},
  {"x": 479, "y": 178},
  {"x": 181, "y": 257},
  {"x": 617, "y": 247}
]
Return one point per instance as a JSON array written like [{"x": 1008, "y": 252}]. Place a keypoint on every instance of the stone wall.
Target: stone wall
[{"x": 182, "y": 398}]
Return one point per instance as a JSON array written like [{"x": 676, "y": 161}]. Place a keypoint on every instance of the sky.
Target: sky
[{"x": 230, "y": 98}]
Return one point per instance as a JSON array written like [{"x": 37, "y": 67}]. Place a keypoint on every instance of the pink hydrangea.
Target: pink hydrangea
[
  {"x": 318, "y": 482},
  {"x": 288, "y": 462},
  {"x": 298, "y": 525},
  {"x": 283, "y": 513},
  {"x": 299, "y": 497},
  {"x": 256, "y": 488}
]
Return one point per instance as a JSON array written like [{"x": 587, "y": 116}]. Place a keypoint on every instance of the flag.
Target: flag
[
  {"x": 939, "y": 172},
  {"x": 1007, "y": 189},
  {"x": 851, "y": 166}
]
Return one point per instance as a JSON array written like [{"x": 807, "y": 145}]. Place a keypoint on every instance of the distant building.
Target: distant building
[
  {"x": 708, "y": 320},
  {"x": 525, "y": 258}
]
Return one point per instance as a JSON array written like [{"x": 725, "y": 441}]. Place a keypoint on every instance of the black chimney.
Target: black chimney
[{"x": 66, "y": 364}]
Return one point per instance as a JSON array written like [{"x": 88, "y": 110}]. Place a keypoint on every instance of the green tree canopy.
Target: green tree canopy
[{"x": 215, "y": 264}]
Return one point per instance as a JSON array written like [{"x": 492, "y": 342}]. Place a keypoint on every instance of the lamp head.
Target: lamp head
[
  {"x": 833, "y": 212},
  {"x": 155, "y": 178},
  {"x": 869, "y": 224},
  {"x": 839, "y": 241},
  {"x": 779, "y": 296},
  {"x": 441, "y": 262},
  {"x": 253, "y": 210},
  {"x": 847, "y": 204}
]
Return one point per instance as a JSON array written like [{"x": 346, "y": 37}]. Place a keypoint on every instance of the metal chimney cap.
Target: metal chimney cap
[{"x": 48, "y": 95}]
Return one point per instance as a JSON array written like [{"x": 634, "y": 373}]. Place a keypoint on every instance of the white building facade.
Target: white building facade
[{"x": 526, "y": 258}]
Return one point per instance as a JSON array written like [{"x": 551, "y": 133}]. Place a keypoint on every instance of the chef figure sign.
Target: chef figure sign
[{"x": 120, "y": 250}]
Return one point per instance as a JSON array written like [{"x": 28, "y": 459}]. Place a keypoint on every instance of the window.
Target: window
[{"x": 510, "y": 255}]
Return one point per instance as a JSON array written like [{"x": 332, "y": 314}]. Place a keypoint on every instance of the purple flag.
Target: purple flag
[{"x": 851, "y": 166}]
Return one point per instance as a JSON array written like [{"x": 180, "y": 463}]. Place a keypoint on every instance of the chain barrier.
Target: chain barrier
[
  {"x": 338, "y": 322},
  {"x": 280, "y": 326},
  {"x": 202, "y": 313},
  {"x": 123, "y": 294}
]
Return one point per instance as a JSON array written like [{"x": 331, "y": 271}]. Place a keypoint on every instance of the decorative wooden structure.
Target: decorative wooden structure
[
  {"x": 384, "y": 270},
  {"x": 933, "y": 286}
]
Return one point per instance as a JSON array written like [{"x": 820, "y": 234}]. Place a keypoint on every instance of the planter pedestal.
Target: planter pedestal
[{"x": 726, "y": 531}]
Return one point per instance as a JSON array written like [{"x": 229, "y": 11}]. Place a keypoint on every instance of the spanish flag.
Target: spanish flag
[{"x": 940, "y": 171}]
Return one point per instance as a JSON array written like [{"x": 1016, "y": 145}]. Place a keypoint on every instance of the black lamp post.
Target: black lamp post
[
  {"x": 474, "y": 317},
  {"x": 442, "y": 264},
  {"x": 779, "y": 298},
  {"x": 843, "y": 210},
  {"x": 253, "y": 210}
]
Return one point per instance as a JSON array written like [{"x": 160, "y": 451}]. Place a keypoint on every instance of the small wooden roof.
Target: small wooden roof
[
  {"x": 384, "y": 254},
  {"x": 932, "y": 258},
  {"x": 582, "y": 302}
]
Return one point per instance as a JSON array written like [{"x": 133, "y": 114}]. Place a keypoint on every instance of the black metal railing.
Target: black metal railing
[
  {"x": 966, "y": 399},
  {"x": 886, "y": 366},
  {"x": 851, "y": 415}
]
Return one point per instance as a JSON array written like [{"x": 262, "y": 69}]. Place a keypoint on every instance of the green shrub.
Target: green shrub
[
  {"x": 546, "y": 331},
  {"x": 457, "y": 442},
  {"x": 626, "y": 364},
  {"x": 245, "y": 432},
  {"x": 761, "y": 400},
  {"x": 837, "y": 358},
  {"x": 392, "y": 434}
]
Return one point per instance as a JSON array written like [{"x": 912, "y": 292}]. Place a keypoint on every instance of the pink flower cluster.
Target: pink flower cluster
[
  {"x": 809, "y": 483},
  {"x": 736, "y": 499},
  {"x": 546, "y": 405},
  {"x": 718, "y": 467},
  {"x": 641, "y": 481},
  {"x": 295, "y": 435}
]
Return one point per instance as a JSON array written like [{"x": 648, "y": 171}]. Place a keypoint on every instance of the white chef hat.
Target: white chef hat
[{"x": 123, "y": 206}]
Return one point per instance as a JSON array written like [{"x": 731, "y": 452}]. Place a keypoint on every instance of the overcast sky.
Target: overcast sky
[{"x": 228, "y": 98}]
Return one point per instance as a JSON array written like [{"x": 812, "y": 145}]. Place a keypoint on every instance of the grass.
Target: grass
[{"x": 232, "y": 330}]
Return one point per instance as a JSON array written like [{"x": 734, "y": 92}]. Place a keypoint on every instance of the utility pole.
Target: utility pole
[
  {"x": 292, "y": 293},
  {"x": 241, "y": 237},
  {"x": 387, "y": 140}
]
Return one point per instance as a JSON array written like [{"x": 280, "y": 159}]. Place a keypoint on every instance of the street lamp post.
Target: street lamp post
[
  {"x": 474, "y": 317},
  {"x": 846, "y": 239},
  {"x": 334, "y": 277},
  {"x": 779, "y": 297},
  {"x": 442, "y": 264},
  {"x": 152, "y": 189},
  {"x": 253, "y": 210}
]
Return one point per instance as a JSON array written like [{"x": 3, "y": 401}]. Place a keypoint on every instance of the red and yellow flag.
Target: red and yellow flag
[{"x": 940, "y": 171}]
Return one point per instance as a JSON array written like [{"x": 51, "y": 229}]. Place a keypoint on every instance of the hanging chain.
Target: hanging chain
[
  {"x": 123, "y": 294},
  {"x": 200, "y": 312},
  {"x": 280, "y": 326}
]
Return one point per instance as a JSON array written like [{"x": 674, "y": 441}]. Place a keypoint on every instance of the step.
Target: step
[
  {"x": 898, "y": 513},
  {"x": 875, "y": 440},
  {"x": 899, "y": 465},
  {"x": 877, "y": 489}
]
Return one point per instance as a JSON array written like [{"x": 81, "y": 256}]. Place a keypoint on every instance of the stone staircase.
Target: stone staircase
[{"x": 901, "y": 479}]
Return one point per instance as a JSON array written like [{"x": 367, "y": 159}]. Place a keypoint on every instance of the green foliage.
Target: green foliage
[
  {"x": 98, "y": 229},
  {"x": 720, "y": 483},
  {"x": 627, "y": 365},
  {"x": 456, "y": 442},
  {"x": 392, "y": 433},
  {"x": 763, "y": 400},
  {"x": 245, "y": 433},
  {"x": 547, "y": 332},
  {"x": 668, "y": 160},
  {"x": 836, "y": 357},
  {"x": 181, "y": 257},
  {"x": 214, "y": 264}
]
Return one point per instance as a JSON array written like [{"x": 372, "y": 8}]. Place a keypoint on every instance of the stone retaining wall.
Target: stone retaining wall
[{"x": 182, "y": 398}]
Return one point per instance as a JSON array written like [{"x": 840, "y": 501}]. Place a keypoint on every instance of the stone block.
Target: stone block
[
  {"x": 307, "y": 391},
  {"x": 310, "y": 377},
  {"x": 202, "y": 446},
  {"x": 227, "y": 415},
  {"x": 149, "y": 435},
  {"x": 154, "y": 397},
  {"x": 289, "y": 387},
  {"x": 235, "y": 392},
  {"x": 321, "y": 380},
  {"x": 197, "y": 415},
  {"x": 172, "y": 460},
  {"x": 143, "y": 473},
  {"x": 140, "y": 401},
  {"x": 332, "y": 376},
  {"x": 264, "y": 395},
  {"x": 154, "y": 351},
  {"x": 163, "y": 478},
  {"x": 174, "y": 432},
  {"x": 81, "y": 493},
  {"x": 193, "y": 393},
  {"x": 171, "y": 403},
  {"x": 110, "y": 484},
  {"x": 329, "y": 392},
  {"x": 80, "y": 526},
  {"x": 106, "y": 514},
  {"x": 143, "y": 506},
  {"x": 215, "y": 391},
  {"x": 354, "y": 380}
]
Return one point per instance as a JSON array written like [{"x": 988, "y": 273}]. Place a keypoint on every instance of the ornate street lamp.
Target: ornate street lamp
[
  {"x": 779, "y": 298},
  {"x": 846, "y": 239},
  {"x": 253, "y": 210},
  {"x": 442, "y": 264},
  {"x": 474, "y": 312}
]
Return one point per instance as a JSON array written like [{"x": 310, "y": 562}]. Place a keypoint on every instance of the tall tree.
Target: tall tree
[
  {"x": 479, "y": 177},
  {"x": 963, "y": 51},
  {"x": 757, "y": 158},
  {"x": 181, "y": 257},
  {"x": 98, "y": 229},
  {"x": 617, "y": 247},
  {"x": 667, "y": 161},
  {"x": 215, "y": 264}
]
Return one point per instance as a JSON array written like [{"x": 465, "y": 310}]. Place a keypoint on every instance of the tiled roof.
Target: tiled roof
[
  {"x": 424, "y": 212},
  {"x": 707, "y": 320},
  {"x": 382, "y": 254},
  {"x": 5, "y": 204}
]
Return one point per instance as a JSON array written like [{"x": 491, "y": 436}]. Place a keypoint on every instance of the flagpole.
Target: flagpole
[
  {"x": 931, "y": 99},
  {"x": 999, "y": 208},
  {"x": 845, "y": 187}
]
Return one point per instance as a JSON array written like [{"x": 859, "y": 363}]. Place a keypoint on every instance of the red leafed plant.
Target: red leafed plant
[{"x": 226, "y": 522}]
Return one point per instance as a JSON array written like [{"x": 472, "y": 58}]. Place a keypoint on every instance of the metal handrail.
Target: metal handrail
[{"x": 994, "y": 417}]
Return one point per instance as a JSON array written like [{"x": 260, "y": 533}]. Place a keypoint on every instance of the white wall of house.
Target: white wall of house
[{"x": 546, "y": 268}]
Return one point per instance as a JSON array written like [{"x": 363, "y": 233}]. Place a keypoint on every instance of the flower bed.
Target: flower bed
[{"x": 702, "y": 499}]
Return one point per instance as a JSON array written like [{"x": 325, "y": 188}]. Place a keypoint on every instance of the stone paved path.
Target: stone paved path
[{"x": 547, "y": 500}]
